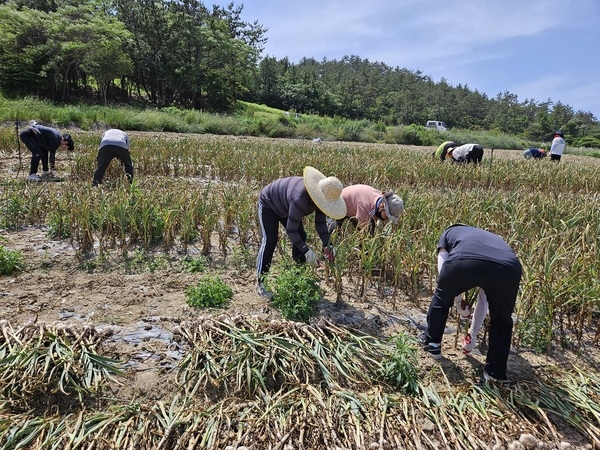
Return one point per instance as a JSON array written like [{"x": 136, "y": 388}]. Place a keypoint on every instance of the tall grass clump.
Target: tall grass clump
[{"x": 296, "y": 290}]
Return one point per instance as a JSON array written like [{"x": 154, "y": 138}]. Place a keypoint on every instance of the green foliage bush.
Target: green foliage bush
[
  {"x": 10, "y": 261},
  {"x": 296, "y": 291},
  {"x": 588, "y": 141},
  {"x": 194, "y": 265},
  {"x": 211, "y": 291}
]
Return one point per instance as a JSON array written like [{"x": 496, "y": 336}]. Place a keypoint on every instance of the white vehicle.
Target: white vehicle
[{"x": 438, "y": 125}]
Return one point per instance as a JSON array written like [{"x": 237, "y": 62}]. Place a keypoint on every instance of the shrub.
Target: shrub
[
  {"x": 210, "y": 291},
  {"x": 194, "y": 265},
  {"x": 296, "y": 291},
  {"x": 10, "y": 261}
]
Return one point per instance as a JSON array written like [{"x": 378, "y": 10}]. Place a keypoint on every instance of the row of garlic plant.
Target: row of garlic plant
[{"x": 193, "y": 187}]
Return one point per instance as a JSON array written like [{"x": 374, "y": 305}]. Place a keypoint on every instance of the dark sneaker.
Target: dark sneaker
[
  {"x": 434, "y": 350},
  {"x": 502, "y": 381},
  {"x": 263, "y": 291}
]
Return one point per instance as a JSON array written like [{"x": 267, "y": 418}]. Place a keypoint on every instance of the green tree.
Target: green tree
[
  {"x": 23, "y": 33},
  {"x": 108, "y": 59}
]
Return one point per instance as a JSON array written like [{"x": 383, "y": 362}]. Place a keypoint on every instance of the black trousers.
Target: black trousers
[
  {"x": 475, "y": 155},
  {"x": 38, "y": 153},
  {"x": 105, "y": 155},
  {"x": 269, "y": 227},
  {"x": 500, "y": 283}
]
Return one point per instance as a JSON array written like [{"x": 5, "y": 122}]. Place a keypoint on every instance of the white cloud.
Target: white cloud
[{"x": 534, "y": 48}]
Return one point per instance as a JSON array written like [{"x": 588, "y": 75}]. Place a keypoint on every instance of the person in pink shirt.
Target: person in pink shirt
[{"x": 365, "y": 205}]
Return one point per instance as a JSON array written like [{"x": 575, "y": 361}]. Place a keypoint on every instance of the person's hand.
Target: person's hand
[
  {"x": 329, "y": 253},
  {"x": 311, "y": 257}
]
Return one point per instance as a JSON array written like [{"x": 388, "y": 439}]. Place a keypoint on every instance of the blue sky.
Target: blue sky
[{"x": 537, "y": 49}]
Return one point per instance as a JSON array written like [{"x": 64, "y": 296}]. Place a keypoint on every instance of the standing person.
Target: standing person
[
  {"x": 465, "y": 153},
  {"x": 287, "y": 201},
  {"x": 476, "y": 257},
  {"x": 365, "y": 205},
  {"x": 114, "y": 144},
  {"x": 558, "y": 146},
  {"x": 536, "y": 153},
  {"x": 443, "y": 149},
  {"x": 43, "y": 142}
]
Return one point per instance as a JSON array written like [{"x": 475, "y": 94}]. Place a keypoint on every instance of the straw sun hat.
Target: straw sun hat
[{"x": 326, "y": 192}]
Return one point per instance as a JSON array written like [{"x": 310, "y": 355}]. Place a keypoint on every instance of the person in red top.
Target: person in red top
[
  {"x": 287, "y": 201},
  {"x": 365, "y": 204}
]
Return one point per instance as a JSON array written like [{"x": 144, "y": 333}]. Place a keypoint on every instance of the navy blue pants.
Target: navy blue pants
[
  {"x": 269, "y": 226},
  {"x": 500, "y": 283},
  {"x": 38, "y": 153},
  {"x": 105, "y": 155}
]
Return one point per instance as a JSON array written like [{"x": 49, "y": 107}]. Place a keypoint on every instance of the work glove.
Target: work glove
[
  {"x": 461, "y": 306},
  {"x": 311, "y": 257},
  {"x": 329, "y": 253}
]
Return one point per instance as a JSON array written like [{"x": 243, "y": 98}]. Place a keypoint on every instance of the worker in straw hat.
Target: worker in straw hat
[
  {"x": 365, "y": 205},
  {"x": 287, "y": 201},
  {"x": 441, "y": 151}
]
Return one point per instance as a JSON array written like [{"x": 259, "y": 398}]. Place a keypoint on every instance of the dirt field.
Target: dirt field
[{"x": 141, "y": 310}]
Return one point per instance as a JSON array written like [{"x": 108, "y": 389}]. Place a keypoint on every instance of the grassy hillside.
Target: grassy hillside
[{"x": 250, "y": 120}]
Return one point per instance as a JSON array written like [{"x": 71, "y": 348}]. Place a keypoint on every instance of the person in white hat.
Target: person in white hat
[
  {"x": 365, "y": 205},
  {"x": 287, "y": 201}
]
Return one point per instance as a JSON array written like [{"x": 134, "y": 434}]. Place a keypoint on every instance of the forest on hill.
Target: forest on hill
[{"x": 159, "y": 53}]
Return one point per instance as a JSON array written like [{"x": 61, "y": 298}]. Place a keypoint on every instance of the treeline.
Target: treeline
[
  {"x": 151, "y": 51},
  {"x": 181, "y": 53}
]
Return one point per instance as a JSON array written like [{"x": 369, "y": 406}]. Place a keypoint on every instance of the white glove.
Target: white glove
[
  {"x": 461, "y": 306},
  {"x": 311, "y": 257}
]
